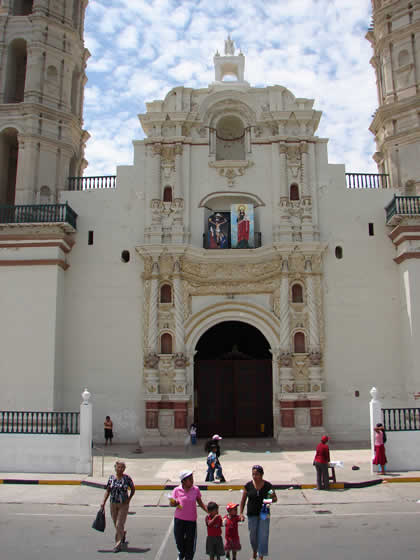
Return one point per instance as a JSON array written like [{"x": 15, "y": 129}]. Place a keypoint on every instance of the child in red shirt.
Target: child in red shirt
[
  {"x": 230, "y": 521},
  {"x": 214, "y": 542}
]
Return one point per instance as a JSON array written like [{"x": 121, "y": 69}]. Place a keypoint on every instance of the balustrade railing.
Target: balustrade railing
[
  {"x": 404, "y": 206},
  {"x": 257, "y": 242},
  {"x": 15, "y": 422},
  {"x": 401, "y": 419},
  {"x": 367, "y": 181},
  {"x": 89, "y": 183},
  {"x": 38, "y": 213}
]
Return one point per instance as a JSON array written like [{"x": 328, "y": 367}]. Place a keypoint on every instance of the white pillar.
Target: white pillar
[
  {"x": 305, "y": 169},
  {"x": 284, "y": 187},
  {"x": 85, "y": 461},
  {"x": 375, "y": 414}
]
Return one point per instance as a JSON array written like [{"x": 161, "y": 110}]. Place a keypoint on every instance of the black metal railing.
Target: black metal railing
[
  {"x": 401, "y": 419},
  {"x": 89, "y": 183},
  {"x": 367, "y": 181},
  {"x": 257, "y": 242},
  {"x": 404, "y": 206},
  {"x": 15, "y": 422},
  {"x": 38, "y": 213}
]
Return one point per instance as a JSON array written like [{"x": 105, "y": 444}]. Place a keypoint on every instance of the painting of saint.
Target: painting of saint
[
  {"x": 218, "y": 230},
  {"x": 242, "y": 223}
]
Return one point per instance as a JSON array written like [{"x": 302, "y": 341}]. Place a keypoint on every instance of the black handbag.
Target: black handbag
[{"x": 99, "y": 523}]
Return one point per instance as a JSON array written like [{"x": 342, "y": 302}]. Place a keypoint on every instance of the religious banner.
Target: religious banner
[
  {"x": 242, "y": 226},
  {"x": 218, "y": 230}
]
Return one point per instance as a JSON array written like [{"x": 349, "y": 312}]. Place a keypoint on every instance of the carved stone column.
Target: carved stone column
[
  {"x": 307, "y": 227},
  {"x": 284, "y": 229},
  {"x": 34, "y": 74},
  {"x": 312, "y": 310},
  {"x": 152, "y": 341},
  {"x": 153, "y": 170},
  {"x": 286, "y": 379},
  {"x": 305, "y": 169},
  {"x": 284, "y": 309},
  {"x": 178, "y": 171},
  {"x": 179, "y": 309}
]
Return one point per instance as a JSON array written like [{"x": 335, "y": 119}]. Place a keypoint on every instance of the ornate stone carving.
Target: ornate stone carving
[
  {"x": 315, "y": 357},
  {"x": 231, "y": 170},
  {"x": 180, "y": 360},
  {"x": 151, "y": 360},
  {"x": 285, "y": 359}
]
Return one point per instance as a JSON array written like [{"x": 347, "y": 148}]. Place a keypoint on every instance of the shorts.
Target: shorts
[
  {"x": 214, "y": 546},
  {"x": 108, "y": 434}
]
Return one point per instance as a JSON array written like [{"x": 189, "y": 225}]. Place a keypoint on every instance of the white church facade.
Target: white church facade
[{"x": 231, "y": 275}]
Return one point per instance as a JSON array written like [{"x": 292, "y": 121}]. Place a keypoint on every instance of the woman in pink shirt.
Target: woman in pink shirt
[
  {"x": 380, "y": 457},
  {"x": 185, "y": 497}
]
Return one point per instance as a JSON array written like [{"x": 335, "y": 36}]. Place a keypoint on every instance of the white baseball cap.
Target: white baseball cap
[
  {"x": 216, "y": 437},
  {"x": 184, "y": 474}
]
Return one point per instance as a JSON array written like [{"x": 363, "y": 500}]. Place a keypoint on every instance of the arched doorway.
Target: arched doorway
[{"x": 233, "y": 384}]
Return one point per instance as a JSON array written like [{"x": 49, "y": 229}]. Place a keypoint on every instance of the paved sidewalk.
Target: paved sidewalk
[{"x": 157, "y": 467}]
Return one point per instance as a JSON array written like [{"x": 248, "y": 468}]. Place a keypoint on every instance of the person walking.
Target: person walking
[
  {"x": 184, "y": 498},
  {"x": 121, "y": 489},
  {"x": 108, "y": 433},
  {"x": 214, "y": 440},
  {"x": 214, "y": 466},
  {"x": 214, "y": 541},
  {"x": 259, "y": 493},
  {"x": 193, "y": 433},
  {"x": 321, "y": 461},
  {"x": 380, "y": 439},
  {"x": 230, "y": 521}
]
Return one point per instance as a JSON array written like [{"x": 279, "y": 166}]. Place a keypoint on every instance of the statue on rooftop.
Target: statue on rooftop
[{"x": 229, "y": 46}]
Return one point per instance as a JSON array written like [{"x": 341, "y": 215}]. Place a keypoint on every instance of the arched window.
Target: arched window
[
  {"x": 297, "y": 293},
  {"x": 294, "y": 192},
  {"x": 166, "y": 344},
  {"x": 167, "y": 194},
  {"x": 299, "y": 343},
  {"x": 16, "y": 72},
  {"x": 165, "y": 294},
  {"x": 8, "y": 164},
  {"x": 230, "y": 139},
  {"x": 22, "y": 7},
  {"x": 44, "y": 195},
  {"x": 339, "y": 252}
]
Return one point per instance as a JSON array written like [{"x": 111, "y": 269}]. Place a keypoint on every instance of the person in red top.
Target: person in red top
[
  {"x": 230, "y": 521},
  {"x": 214, "y": 522},
  {"x": 321, "y": 460}
]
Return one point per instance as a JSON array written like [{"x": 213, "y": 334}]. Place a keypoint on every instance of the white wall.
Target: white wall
[
  {"x": 39, "y": 453},
  {"x": 361, "y": 306},
  {"x": 402, "y": 451}
]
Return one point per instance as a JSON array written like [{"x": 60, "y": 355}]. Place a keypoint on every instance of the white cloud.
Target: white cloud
[{"x": 143, "y": 48}]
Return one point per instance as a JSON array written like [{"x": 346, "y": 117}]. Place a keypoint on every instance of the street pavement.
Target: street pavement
[{"x": 53, "y": 522}]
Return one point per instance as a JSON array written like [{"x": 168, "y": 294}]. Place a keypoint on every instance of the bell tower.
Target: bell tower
[
  {"x": 395, "y": 39},
  {"x": 42, "y": 79}
]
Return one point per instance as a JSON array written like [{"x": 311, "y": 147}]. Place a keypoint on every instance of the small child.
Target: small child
[
  {"x": 214, "y": 522},
  {"x": 230, "y": 521}
]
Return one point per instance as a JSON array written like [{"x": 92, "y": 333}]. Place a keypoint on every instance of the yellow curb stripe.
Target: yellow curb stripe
[
  {"x": 59, "y": 482},
  {"x": 149, "y": 487},
  {"x": 233, "y": 487},
  {"x": 404, "y": 479},
  {"x": 307, "y": 486}
]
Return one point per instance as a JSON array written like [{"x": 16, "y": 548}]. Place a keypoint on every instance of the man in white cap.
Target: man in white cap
[{"x": 184, "y": 498}]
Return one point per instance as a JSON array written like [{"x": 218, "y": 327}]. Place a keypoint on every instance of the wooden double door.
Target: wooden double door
[{"x": 234, "y": 398}]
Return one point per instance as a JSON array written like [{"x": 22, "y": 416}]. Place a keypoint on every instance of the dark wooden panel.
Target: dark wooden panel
[{"x": 234, "y": 398}]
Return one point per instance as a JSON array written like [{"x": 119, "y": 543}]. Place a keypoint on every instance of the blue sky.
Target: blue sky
[{"x": 141, "y": 49}]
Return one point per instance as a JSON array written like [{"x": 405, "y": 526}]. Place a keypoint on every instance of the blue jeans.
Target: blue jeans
[{"x": 259, "y": 531}]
